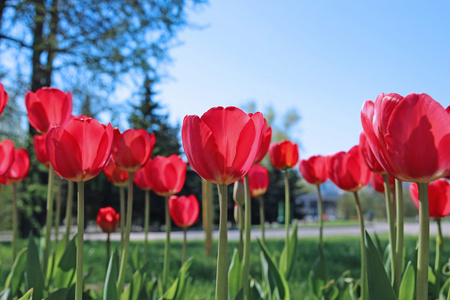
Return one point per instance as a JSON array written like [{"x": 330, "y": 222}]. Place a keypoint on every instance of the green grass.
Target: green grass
[{"x": 342, "y": 253}]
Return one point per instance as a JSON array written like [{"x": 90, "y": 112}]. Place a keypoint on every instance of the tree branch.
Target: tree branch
[{"x": 21, "y": 43}]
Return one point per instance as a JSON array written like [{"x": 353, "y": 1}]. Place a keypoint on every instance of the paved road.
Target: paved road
[{"x": 233, "y": 234}]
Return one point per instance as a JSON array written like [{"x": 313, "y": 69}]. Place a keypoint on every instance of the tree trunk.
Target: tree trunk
[{"x": 38, "y": 46}]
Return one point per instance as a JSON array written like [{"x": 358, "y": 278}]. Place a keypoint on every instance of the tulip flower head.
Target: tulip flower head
[
  {"x": 132, "y": 148},
  {"x": 377, "y": 182},
  {"x": 184, "y": 210},
  {"x": 19, "y": 168},
  {"x": 438, "y": 197},
  {"x": 348, "y": 170},
  {"x": 40, "y": 149},
  {"x": 167, "y": 174},
  {"x": 115, "y": 175},
  {"x": 258, "y": 180},
  {"x": 6, "y": 155},
  {"x": 142, "y": 177},
  {"x": 222, "y": 144},
  {"x": 369, "y": 157},
  {"x": 79, "y": 150},
  {"x": 283, "y": 155},
  {"x": 48, "y": 107},
  {"x": 108, "y": 219},
  {"x": 3, "y": 98},
  {"x": 314, "y": 169},
  {"x": 265, "y": 143},
  {"x": 409, "y": 136}
]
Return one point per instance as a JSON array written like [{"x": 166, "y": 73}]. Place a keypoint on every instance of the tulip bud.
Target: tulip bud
[{"x": 239, "y": 192}]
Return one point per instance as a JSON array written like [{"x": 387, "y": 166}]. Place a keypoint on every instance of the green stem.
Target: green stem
[
  {"x": 399, "y": 235},
  {"x": 390, "y": 217},
  {"x": 80, "y": 242},
  {"x": 262, "y": 220},
  {"x": 58, "y": 209},
  {"x": 147, "y": 221},
  {"x": 48, "y": 225},
  {"x": 247, "y": 240},
  {"x": 122, "y": 215},
  {"x": 241, "y": 231},
  {"x": 222, "y": 253},
  {"x": 287, "y": 210},
  {"x": 424, "y": 243},
  {"x": 167, "y": 245},
  {"x": 207, "y": 214},
  {"x": 363, "y": 283},
  {"x": 68, "y": 210},
  {"x": 126, "y": 243},
  {"x": 437, "y": 262},
  {"x": 15, "y": 221},
  {"x": 108, "y": 250},
  {"x": 183, "y": 254},
  {"x": 320, "y": 204}
]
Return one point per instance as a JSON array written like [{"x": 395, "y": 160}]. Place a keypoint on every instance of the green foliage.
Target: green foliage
[{"x": 235, "y": 275}]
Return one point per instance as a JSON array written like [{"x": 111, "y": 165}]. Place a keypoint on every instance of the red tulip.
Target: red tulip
[
  {"x": 221, "y": 146},
  {"x": 409, "y": 136},
  {"x": 132, "y": 148},
  {"x": 258, "y": 180},
  {"x": 438, "y": 197},
  {"x": 115, "y": 175},
  {"x": 40, "y": 150},
  {"x": 167, "y": 174},
  {"x": 369, "y": 157},
  {"x": 184, "y": 210},
  {"x": 6, "y": 155},
  {"x": 283, "y": 155},
  {"x": 142, "y": 177},
  {"x": 3, "y": 98},
  {"x": 108, "y": 219},
  {"x": 264, "y": 147},
  {"x": 348, "y": 170},
  {"x": 377, "y": 182},
  {"x": 48, "y": 107},
  {"x": 314, "y": 169},
  {"x": 79, "y": 150},
  {"x": 18, "y": 170}
]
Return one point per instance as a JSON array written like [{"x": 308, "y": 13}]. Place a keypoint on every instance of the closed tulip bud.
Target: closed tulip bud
[
  {"x": 239, "y": 192},
  {"x": 184, "y": 210},
  {"x": 283, "y": 155},
  {"x": 108, "y": 219},
  {"x": 19, "y": 168},
  {"x": 3, "y": 98}
]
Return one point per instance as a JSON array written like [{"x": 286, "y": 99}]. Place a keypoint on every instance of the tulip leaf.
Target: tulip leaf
[
  {"x": 407, "y": 286},
  {"x": 235, "y": 274},
  {"x": 65, "y": 272},
  {"x": 6, "y": 294},
  {"x": 110, "y": 289},
  {"x": 15, "y": 277},
  {"x": 379, "y": 285},
  {"x": 287, "y": 257},
  {"x": 58, "y": 294},
  {"x": 178, "y": 288},
  {"x": 34, "y": 277},
  {"x": 28, "y": 295},
  {"x": 256, "y": 291},
  {"x": 239, "y": 295},
  {"x": 136, "y": 285},
  {"x": 318, "y": 275},
  {"x": 282, "y": 287}
]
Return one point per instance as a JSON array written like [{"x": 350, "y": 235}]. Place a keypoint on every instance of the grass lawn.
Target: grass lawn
[{"x": 342, "y": 253}]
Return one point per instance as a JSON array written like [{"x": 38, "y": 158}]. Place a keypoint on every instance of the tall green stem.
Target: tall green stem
[
  {"x": 58, "y": 209},
  {"x": 108, "y": 250},
  {"x": 48, "y": 225},
  {"x": 80, "y": 242},
  {"x": 222, "y": 253},
  {"x": 424, "y": 243},
  {"x": 167, "y": 245},
  {"x": 241, "y": 231},
  {"x": 15, "y": 221},
  {"x": 390, "y": 217},
  {"x": 126, "y": 243},
  {"x": 183, "y": 254},
  {"x": 122, "y": 215},
  {"x": 287, "y": 210},
  {"x": 437, "y": 262},
  {"x": 207, "y": 214},
  {"x": 68, "y": 211},
  {"x": 247, "y": 239},
  {"x": 364, "y": 287},
  {"x": 399, "y": 235},
  {"x": 147, "y": 221},
  {"x": 320, "y": 202},
  {"x": 262, "y": 219}
]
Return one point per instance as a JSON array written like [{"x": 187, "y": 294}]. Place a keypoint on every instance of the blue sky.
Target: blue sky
[{"x": 322, "y": 58}]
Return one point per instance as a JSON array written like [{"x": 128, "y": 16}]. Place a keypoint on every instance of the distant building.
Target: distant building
[{"x": 306, "y": 205}]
